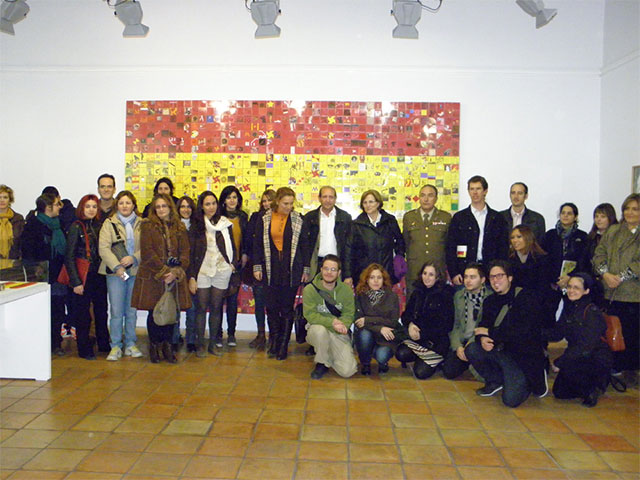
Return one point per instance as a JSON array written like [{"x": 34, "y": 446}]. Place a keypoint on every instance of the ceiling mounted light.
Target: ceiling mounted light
[
  {"x": 536, "y": 9},
  {"x": 264, "y": 13},
  {"x": 129, "y": 12},
  {"x": 12, "y": 11},
  {"x": 407, "y": 13}
]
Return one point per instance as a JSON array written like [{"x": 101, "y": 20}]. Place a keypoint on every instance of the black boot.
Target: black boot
[
  {"x": 167, "y": 351},
  {"x": 154, "y": 352},
  {"x": 272, "y": 349},
  {"x": 285, "y": 336}
]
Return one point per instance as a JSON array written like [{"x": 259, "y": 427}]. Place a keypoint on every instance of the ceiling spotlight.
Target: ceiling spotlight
[
  {"x": 264, "y": 13},
  {"x": 407, "y": 13},
  {"x": 129, "y": 12},
  {"x": 12, "y": 12},
  {"x": 536, "y": 9}
]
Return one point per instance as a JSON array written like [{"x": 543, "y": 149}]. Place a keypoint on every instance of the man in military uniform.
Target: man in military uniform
[{"x": 425, "y": 233}]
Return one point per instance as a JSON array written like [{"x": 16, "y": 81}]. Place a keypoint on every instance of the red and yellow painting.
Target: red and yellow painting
[{"x": 393, "y": 147}]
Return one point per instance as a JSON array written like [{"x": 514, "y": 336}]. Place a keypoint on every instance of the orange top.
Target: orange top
[
  {"x": 278, "y": 222},
  {"x": 237, "y": 233}
]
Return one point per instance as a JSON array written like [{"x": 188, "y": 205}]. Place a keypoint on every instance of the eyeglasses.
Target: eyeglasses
[
  {"x": 497, "y": 276},
  {"x": 329, "y": 269}
]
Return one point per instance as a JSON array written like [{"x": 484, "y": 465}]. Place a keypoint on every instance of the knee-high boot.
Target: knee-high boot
[
  {"x": 285, "y": 336},
  {"x": 272, "y": 348}
]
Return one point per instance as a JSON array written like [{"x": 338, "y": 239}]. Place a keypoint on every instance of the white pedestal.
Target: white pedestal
[{"x": 25, "y": 332}]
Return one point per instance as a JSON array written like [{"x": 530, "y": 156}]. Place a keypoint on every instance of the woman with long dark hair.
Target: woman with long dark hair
[
  {"x": 231, "y": 207},
  {"x": 258, "y": 287},
  {"x": 617, "y": 260},
  {"x": 164, "y": 256},
  {"x": 604, "y": 215},
  {"x": 187, "y": 210},
  {"x": 210, "y": 268},
  {"x": 531, "y": 269},
  {"x": 428, "y": 318},
  {"x": 82, "y": 243},
  {"x": 281, "y": 257},
  {"x": 377, "y": 313}
]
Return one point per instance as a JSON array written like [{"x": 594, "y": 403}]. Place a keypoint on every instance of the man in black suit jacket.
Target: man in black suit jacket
[
  {"x": 519, "y": 214},
  {"x": 477, "y": 233},
  {"x": 324, "y": 240}
]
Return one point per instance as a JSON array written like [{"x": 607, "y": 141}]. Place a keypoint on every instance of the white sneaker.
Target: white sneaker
[
  {"x": 133, "y": 352},
  {"x": 114, "y": 354}
]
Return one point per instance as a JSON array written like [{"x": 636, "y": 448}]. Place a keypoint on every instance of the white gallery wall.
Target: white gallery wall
[
  {"x": 533, "y": 102},
  {"x": 620, "y": 99}
]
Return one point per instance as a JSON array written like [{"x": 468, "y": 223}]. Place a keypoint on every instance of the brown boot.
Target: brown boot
[
  {"x": 167, "y": 351},
  {"x": 154, "y": 352},
  {"x": 259, "y": 341}
]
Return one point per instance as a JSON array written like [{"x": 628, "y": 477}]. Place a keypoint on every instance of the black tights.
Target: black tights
[{"x": 210, "y": 298}]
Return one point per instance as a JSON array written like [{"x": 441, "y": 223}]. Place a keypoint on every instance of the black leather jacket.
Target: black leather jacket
[{"x": 76, "y": 248}]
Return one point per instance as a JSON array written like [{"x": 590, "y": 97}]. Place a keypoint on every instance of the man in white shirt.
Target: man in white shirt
[{"x": 328, "y": 229}]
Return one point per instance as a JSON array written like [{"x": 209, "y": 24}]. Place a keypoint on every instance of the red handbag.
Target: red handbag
[{"x": 82, "y": 264}]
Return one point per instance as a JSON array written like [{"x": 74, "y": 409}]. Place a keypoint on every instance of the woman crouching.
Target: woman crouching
[{"x": 583, "y": 369}]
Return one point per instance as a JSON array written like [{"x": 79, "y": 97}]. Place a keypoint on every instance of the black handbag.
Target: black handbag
[{"x": 300, "y": 323}]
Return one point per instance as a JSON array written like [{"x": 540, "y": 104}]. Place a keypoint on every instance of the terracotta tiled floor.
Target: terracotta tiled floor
[{"x": 248, "y": 417}]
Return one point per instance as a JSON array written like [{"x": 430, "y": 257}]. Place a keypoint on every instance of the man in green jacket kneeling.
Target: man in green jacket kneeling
[{"x": 329, "y": 309}]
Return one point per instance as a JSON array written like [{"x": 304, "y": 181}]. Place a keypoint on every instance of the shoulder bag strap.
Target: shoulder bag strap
[
  {"x": 328, "y": 301},
  {"x": 86, "y": 240}
]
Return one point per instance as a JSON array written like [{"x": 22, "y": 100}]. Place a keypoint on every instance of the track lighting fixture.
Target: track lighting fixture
[
  {"x": 264, "y": 13},
  {"x": 407, "y": 13},
  {"x": 536, "y": 9},
  {"x": 129, "y": 12},
  {"x": 12, "y": 11}
]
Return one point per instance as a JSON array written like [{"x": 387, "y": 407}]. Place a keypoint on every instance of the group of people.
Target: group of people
[{"x": 453, "y": 320}]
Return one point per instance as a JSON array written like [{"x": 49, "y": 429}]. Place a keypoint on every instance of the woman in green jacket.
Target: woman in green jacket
[{"x": 617, "y": 261}]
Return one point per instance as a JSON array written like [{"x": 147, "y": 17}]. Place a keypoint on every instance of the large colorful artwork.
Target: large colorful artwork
[{"x": 394, "y": 147}]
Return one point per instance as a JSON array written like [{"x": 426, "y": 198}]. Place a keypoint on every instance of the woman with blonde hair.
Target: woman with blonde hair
[
  {"x": 164, "y": 256},
  {"x": 11, "y": 225},
  {"x": 119, "y": 249},
  {"x": 617, "y": 261},
  {"x": 281, "y": 258}
]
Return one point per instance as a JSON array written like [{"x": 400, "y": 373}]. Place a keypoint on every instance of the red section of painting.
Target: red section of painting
[{"x": 311, "y": 127}]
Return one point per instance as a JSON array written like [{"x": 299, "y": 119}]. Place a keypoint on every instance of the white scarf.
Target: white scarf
[{"x": 223, "y": 227}]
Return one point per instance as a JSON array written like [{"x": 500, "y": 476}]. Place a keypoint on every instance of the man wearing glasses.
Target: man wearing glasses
[
  {"x": 508, "y": 351},
  {"x": 329, "y": 309}
]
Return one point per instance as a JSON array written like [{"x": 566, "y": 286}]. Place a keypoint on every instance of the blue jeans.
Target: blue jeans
[
  {"x": 190, "y": 324},
  {"x": 367, "y": 348},
  {"x": 122, "y": 313},
  {"x": 498, "y": 368}
]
